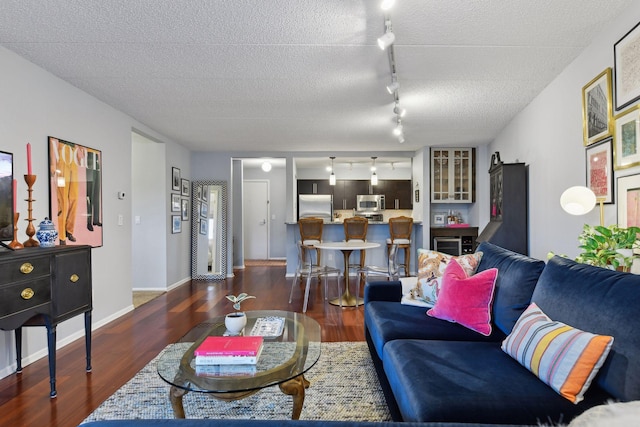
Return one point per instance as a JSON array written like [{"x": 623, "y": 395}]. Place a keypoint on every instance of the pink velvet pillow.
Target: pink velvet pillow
[{"x": 466, "y": 299}]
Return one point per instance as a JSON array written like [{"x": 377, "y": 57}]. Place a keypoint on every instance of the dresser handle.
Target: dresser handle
[
  {"x": 74, "y": 278},
  {"x": 27, "y": 293},
  {"x": 26, "y": 268}
]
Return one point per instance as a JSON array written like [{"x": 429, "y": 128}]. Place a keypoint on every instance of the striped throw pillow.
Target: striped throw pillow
[{"x": 565, "y": 358}]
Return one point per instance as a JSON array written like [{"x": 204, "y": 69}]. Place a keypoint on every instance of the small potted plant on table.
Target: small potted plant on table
[{"x": 236, "y": 321}]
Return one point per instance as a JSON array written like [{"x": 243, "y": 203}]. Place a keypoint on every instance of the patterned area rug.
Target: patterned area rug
[{"x": 344, "y": 386}]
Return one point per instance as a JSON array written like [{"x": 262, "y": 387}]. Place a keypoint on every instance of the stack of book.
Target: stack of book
[{"x": 243, "y": 350}]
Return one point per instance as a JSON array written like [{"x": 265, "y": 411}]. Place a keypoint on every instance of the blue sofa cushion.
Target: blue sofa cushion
[
  {"x": 517, "y": 278},
  {"x": 387, "y": 321},
  {"x": 603, "y": 302},
  {"x": 472, "y": 382}
]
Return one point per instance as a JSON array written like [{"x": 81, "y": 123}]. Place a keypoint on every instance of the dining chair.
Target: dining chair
[
  {"x": 307, "y": 268},
  {"x": 355, "y": 229},
  {"x": 391, "y": 270},
  {"x": 400, "y": 234},
  {"x": 311, "y": 234}
]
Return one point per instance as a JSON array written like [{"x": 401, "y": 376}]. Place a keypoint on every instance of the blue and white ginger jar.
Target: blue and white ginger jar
[{"x": 47, "y": 234}]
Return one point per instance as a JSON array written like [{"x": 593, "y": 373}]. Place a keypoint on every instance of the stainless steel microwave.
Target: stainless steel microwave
[{"x": 370, "y": 202}]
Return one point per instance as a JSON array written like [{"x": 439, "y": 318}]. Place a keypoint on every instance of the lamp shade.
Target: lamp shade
[{"x": 578, "y": 200}]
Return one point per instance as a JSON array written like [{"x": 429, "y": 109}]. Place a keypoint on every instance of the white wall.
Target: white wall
[
  {"x": 34, "y": 105},
  {"x": 547, "y": 135}
]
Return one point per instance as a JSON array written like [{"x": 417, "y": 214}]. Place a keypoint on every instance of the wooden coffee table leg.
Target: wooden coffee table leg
[
  {"x": 295, "y": 388},
  {"x": 175, "y": 395}
]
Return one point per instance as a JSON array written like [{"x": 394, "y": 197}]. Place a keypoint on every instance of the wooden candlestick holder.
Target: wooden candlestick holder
[
  {"x": 31, "y": 230},
  {"x": 14, "y": 243}
]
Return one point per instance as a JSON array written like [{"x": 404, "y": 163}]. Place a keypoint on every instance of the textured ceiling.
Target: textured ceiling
[{"x": 307, "y": 75}]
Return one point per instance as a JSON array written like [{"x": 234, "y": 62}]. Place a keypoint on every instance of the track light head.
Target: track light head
[
  {"x": 399, "y": 111},
  {"x": 387, "y": 4},
  {"x": 401, "y": 138},
  {"x": 393, "y": 87},
  {"x": 398, "y": 129},
  {"x": 386, "y": 40}
]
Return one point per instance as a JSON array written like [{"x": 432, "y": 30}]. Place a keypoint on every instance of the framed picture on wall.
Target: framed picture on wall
[
  {"x": 175, "y": 203},
  {"x": 203, "y": 226},
  {"x": 75, "y": 192},
  {"x": 176, "y": 224},
  {"x": 185, "y": 209},
  {"x": 597, "y": 109},
  {"x": 629, "y": 201},
  {"x": 599, "y": 162},
  {"x": 185, "y": 187},
  {"x": 627, "y": 138},
  {"x": 175, "y": 179},
  {"x": 626, "y": 60}
]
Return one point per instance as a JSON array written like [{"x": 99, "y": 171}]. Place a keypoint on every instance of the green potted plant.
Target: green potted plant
[
  {"x": 608, "y": 246},
  {"x": 236, "y": 321}
]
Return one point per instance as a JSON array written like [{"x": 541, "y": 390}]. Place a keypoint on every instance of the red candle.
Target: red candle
[
  {"x": 29, "y": 158},
  {"x": 15, "y": 194}
]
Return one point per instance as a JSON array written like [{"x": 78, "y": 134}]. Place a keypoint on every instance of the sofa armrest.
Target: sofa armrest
[{"x": 383, "y": 291}]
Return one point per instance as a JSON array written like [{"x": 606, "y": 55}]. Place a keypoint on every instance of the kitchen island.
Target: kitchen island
[{"x": 333, "y": 231}]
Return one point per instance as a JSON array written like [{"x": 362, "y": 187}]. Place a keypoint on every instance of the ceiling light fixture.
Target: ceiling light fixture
[
  {"x": 332, "y": 177},
  {"x": 266, "y": 166},
  {"x": 401, "y": 139},
  {"x": 387, "y": 4},
  {"x": 374, "y": 177},
  {"x": 393, "y": 87},
  {"x": 387, "y": 39},
  {"x": 399, "y": 110},
  {"x": 398, "y": 129}
]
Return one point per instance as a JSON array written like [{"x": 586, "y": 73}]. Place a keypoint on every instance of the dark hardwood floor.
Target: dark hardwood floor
[{"x": 124, "y": 346}]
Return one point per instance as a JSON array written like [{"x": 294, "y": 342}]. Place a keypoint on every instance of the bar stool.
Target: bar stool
[
  {"x": 400, "y": 231},
  {"x": 355, "y": 228},
  {"x": 310, "y": 234}
]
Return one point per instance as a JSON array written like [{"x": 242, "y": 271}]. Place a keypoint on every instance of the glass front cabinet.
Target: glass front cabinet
[{"x": 452, "y": 175}]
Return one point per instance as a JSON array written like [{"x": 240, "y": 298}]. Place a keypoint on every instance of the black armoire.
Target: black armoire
[{"x": 509, "y": 224}]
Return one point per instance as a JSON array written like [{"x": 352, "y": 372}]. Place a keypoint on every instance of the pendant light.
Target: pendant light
[
  {"x": 332, "y": 177},
  {"x": 374, "y": 177}
]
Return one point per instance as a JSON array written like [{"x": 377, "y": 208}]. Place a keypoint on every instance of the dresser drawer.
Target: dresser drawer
[
  {"x": 25, "y": 296},
  {"x": 25, "y": 268}
]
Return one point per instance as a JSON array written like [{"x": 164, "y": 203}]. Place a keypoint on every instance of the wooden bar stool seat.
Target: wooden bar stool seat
[
  {"x": 400, "y": 228},
  {"x": 310, "y": 235},
  {"x": 355, "y": 229}
]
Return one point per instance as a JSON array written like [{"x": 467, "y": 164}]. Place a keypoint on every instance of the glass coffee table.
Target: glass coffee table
[{"x": 283, "y": 361}]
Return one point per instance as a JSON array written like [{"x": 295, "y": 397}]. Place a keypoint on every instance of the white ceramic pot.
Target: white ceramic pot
[{"x": 235, "y": 322}]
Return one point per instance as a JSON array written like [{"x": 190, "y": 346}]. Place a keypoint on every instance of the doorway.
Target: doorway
[{"x": 255, "y": 202}]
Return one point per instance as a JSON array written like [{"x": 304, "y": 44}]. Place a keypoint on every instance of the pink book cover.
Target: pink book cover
[{"x": 229, "y": 346}]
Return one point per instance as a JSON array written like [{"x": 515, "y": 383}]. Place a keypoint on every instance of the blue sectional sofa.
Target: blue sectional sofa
[{"x": 436, "y": 371}]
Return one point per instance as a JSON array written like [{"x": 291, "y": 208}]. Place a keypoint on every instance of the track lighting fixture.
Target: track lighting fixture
[
  {"x": 332, "y": 177},
  {"x": 393, "y": 87},
  {"x": 374, "y": 177},
  {"x": 387, "y": 4},
  {"x": 398, "y": 129},
  {"x": 387, "y": 39},
  {"x": 399, "y": 110},
  {"x": 401, "y": 139}
]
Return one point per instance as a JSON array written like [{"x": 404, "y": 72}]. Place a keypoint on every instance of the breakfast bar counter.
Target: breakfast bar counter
[{"x": 377, "y": 232}]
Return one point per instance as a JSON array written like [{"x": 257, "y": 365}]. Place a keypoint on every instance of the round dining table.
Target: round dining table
[{"x": 346, "y": 299}]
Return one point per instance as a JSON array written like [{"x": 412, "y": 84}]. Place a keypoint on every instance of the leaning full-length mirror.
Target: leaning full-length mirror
[{"x": 209, "y": 230}]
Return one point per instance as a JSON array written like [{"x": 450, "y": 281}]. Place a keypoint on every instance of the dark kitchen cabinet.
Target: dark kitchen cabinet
[
  {"x": 397, "y": 193},
  {"x": 345, "y": 192},
  {"x": 314, "y": 186}
]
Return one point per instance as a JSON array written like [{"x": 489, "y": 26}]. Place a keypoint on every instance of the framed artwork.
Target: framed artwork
[
  {"x": 627, "y": 139},
  {"x": 205, "y": 193},
  {"x": 203, "y": 226},
  {"x": 204, "y": 209},
  {"x": 199, "y": 192},
  {"x": 75, "y": 192},
  {"x": 176, "y": 224},
  {"x": 175, "y": 179},
  {"x": 626, "y": 60},
  {"x": 185, "y": 209},
  {"x": 175, "y": 203},
  {"x": 185, "y": 187},
  {"x": 599, "y": 159},
  {"x": 438, "y": 219},
  {"x": 629, "y": 201},
  {"x": 597, "y": 109}
]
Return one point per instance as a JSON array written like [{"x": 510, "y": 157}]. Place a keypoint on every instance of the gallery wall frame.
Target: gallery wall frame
[
  {"x": 175, "y": 179},
  {"x": 626, "y": 59},
  {"x": 597, "y": 108},
  {"x": 599, "y": 166},
  {"x": 75, "y": 192},
  {"x": 176, "y": 224},
  {"x": 175, "y": 203},
  {"x": 627, "y": 138},
  {"x": 185, "y": 209},
  {"x": 184, "y": 187},
  {"x": 629, "y": 201}
]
